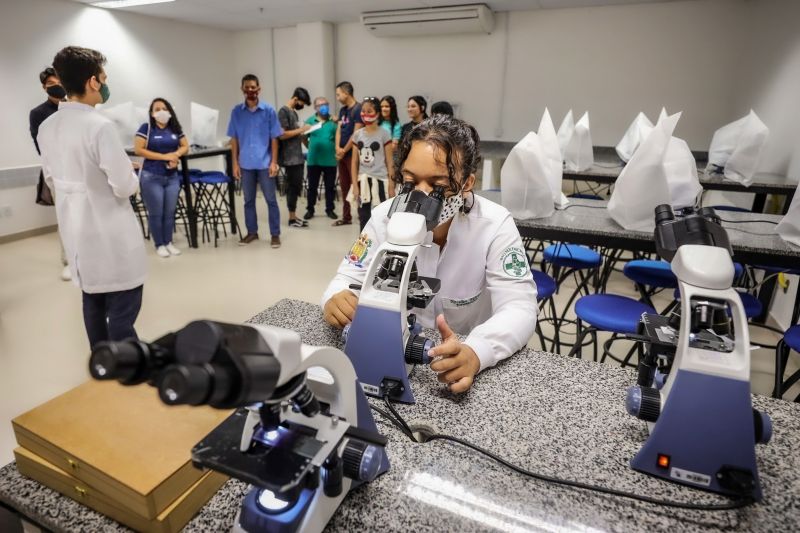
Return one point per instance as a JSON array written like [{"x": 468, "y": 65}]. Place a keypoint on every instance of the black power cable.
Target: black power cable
[{"x": 401, "y": 424}]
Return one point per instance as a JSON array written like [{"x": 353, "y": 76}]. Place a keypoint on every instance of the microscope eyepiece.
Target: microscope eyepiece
[
  {"x": 664, "y": 214},
  {"x": 185, "y": 385},
  {"x": 125, "y": 361}
]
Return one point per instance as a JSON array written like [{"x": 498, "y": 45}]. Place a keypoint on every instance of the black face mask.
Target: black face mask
[
  {"x": 298, "y": 107},
  {"x": 56, "y": 91}
]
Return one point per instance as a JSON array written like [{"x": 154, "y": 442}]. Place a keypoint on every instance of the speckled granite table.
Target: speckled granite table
[
  {"x": 557, "y": 416},
  {"x": 588, "y": 222}
]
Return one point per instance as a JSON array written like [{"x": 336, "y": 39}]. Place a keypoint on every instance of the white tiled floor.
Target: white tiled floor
[{"x": 43, "y": 346}]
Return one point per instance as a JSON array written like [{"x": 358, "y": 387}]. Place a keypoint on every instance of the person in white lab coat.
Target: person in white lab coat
[
  {"x": 85, "y": 164},
  {"x": 487, "y": 291}
]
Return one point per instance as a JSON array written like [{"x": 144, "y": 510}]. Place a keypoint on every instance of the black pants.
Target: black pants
[
  {"x": 329, "y": 178},
  {"x": 109, "y": 316},
  {"x": 365, "y": 210},
  {"x": 294, "y": 185}
]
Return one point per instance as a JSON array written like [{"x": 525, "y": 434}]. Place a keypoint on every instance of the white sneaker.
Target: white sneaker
[
  {"x": 66, "y": 274},
  {"x": 172, "y": 249},
  {"x": 161, "y": 251}
]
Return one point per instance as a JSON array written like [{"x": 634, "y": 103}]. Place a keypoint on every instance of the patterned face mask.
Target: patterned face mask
[{"x": 450, "y": 207}]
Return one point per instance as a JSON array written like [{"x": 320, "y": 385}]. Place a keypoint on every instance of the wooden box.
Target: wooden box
[
  {"x": 121, "y": 441},
  {"x": 171, "y": 520}
]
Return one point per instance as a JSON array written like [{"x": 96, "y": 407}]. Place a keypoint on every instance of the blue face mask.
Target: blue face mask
[{"x": 324, "y": 110}]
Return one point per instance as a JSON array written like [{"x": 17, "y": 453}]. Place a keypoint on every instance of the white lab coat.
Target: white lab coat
[
  {"x": 85, "y": 164},
  {"x": 487, "y": 291}
]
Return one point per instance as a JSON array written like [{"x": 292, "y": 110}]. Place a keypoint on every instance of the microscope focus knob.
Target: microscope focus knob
[
  {"x": 362, "y": 461},
  {"x": 762, "y": 424},
  {"x": 644, "y": 403},
  {"x": 417, "y": 350}
]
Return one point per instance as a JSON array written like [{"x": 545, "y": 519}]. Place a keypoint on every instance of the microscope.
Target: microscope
[
  {"x": 384, "y": 340},
  {"x": 303, "y": 435},
  {"x": 693, "y": 385}
]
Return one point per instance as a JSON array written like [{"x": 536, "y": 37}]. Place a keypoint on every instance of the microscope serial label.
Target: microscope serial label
[
  {"x": 371, "y": 389},
  {"x": 691, "y": 477}
]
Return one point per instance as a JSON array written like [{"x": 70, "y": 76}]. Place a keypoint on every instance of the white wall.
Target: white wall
[
  {"x": 613, "y": 61},
  {"x": 147, "y": 57},
  {"x": 769, "y": 78}
]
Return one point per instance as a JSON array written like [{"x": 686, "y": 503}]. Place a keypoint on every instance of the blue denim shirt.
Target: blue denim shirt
[{"x": 254, "y": 130}]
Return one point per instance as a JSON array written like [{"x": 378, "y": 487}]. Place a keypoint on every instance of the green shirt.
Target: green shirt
[{"x": 322, "y": 144}]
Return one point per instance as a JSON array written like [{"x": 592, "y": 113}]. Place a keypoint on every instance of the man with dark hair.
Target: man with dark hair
[
  {"x": 85, "y": 164},
  {"x": 55, "y": 94},
  {"x": 349, "y": 122},
  {"x": 291, "y": 151},
  {"x": 442, "y": 108},
  {"x": 254, "y": 131}
]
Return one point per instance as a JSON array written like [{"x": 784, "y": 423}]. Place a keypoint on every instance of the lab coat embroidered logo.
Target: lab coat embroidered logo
[
  {"x": 358, "y": 252},
  {"x": 514, "y": 263}
]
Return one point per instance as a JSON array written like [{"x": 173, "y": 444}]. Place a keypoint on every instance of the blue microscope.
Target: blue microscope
[
  {"x": 304, "y": 435},
  {"x": 384, "y": 340},
  {"x": 694, "y": 381}
]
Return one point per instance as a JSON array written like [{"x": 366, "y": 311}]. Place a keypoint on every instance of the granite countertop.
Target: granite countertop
[
  {"x": 590, "y": 219},
  {"x": 547, "y": 413}
]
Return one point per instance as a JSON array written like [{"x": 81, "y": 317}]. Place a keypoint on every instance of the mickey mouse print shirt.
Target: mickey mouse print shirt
[{"x": 371, "y": 148}]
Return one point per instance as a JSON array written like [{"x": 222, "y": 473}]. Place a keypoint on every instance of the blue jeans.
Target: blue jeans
[
  {"x": 250, "y": 180},
  {"x": 160, "y": 195}
]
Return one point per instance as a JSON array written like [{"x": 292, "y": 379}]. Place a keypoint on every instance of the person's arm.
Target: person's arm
[
  {"x": 275, "y": 132},
  {"x": 114, "y": 162},
  {"x": 233, "y": 134},
  {"x": 389, "y": 149},
  {"x": 139, "y": 149},
  {"x": 339, "y": 152},
  {"x": 273, "y": 165},
  {"x": 183, "y": 147},
  {"x": 354, "y": 162},
  {"x": 513, "y": 297},
  {"x": 34, "y": 121},
  {"x": 339, "y": 301},
  {"x": 237, "y": 170}
]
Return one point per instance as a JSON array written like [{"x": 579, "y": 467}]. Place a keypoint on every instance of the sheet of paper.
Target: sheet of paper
[{"x": 313, "y": 128}]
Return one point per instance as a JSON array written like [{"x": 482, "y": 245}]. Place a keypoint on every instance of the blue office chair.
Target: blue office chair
[
  {"x": 212, "y": 203},
  {"x": 580, "y": 262},
  {"x": 612, "y": 313},
  {"x": 789, "y": 342},
  {"x": 545, "y": 289}
]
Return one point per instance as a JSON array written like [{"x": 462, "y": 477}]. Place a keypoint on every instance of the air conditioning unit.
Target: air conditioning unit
[{"x": 474, "y": 18}]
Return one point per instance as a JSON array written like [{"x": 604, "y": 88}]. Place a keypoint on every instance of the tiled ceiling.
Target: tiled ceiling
[{"x": 254, "y": 14}]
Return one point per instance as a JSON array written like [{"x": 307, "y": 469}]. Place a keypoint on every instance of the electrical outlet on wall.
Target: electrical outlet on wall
[{"x": 5, "y": 211}]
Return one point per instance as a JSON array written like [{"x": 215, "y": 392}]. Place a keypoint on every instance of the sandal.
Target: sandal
[{"x": 342, "y": 223}]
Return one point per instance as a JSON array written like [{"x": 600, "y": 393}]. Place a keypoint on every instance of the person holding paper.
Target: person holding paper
[
  {"x": 291, "y": 151},
  {"x": 85, "y": 163},
  {"x": 487, "y": 291},
  {"x": 320, "y": 139},
  {"x": 254, "y": 131}
]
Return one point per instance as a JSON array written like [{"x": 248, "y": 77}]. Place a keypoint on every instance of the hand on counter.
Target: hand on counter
[
  {"x": 456, "y": 363},
  {"x": 340, "y": 308}
]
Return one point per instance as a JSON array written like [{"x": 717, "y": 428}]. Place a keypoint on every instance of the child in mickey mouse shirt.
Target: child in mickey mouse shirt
[
  {"x": 487, "y": 292},
  {"x": 372, "y": 161}
]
